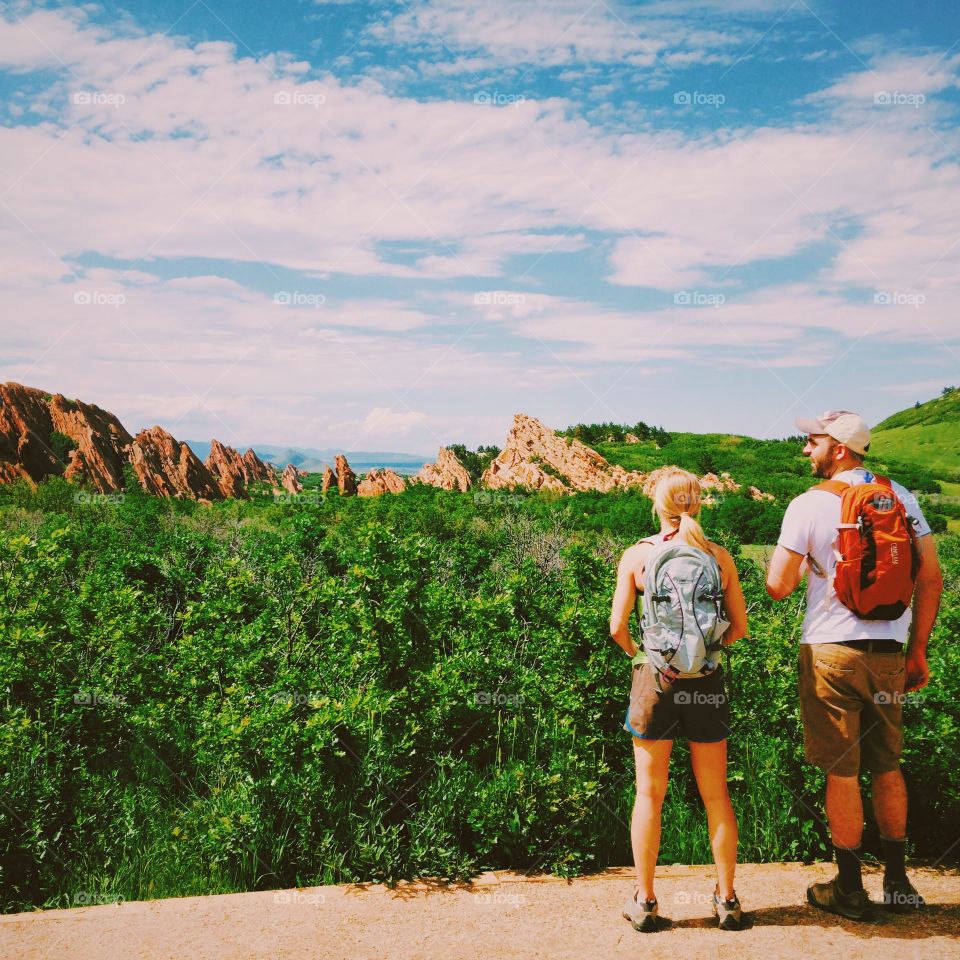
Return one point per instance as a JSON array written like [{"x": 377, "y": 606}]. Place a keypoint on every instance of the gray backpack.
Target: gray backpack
[{"x": 683, "y": 619}]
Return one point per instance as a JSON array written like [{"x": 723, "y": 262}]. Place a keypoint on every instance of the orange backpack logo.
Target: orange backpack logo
[{"x": 878, "y": 558}]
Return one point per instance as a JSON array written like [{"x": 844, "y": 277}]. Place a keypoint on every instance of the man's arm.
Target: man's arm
[
  {"x": 926, "y": 605},
  {"x": 624, "y": 598},
  {"x": 785, "y": 572}
]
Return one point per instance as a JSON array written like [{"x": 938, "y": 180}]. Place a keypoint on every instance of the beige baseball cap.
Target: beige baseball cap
[{"x": 848, "y": 428}]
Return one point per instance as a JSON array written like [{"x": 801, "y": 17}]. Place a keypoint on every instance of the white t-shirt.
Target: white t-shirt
[{"x": 810, "y": 527}]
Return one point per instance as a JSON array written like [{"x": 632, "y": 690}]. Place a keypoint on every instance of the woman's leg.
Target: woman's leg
[
  {"x": 710, "y": 768},
  {"x": 653, "y": 763}
]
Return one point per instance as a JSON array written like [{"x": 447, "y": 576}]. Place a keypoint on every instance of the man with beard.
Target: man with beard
[{"x": 854, "y": 672}]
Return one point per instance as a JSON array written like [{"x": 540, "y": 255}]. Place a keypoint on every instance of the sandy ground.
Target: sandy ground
[{"x": 500, "y": 915}]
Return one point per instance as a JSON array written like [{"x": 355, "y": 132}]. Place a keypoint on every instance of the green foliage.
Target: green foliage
[
  {"x": 262, "y": 694},
  {"x": 475, "y": 462},
  {"x": 62, "y": 445},
  {"x": 927, "y": 435},
  {"x": 594, "y": 433}
]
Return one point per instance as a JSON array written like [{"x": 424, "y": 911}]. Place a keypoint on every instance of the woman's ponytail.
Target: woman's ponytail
[{"x": 677, "y": 497}]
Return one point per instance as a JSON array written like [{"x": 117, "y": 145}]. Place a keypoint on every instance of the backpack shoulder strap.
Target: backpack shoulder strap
[{"x": 835, "y": 487}]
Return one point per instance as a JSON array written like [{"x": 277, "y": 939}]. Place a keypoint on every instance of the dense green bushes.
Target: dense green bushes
[{"x": 253, "y": 695}]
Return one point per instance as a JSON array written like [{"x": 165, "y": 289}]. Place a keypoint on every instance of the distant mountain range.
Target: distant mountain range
[{"x": 313, "y": 461}]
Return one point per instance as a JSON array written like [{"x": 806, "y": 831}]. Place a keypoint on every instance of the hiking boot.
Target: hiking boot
[
  {"x": 728, "y": 913},
  {"x": 828, "y": 896},
  {"x": 900, "y": 896},
  {"x": 642, "y": 914}
]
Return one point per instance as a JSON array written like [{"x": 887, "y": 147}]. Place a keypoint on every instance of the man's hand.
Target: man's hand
[{"x": 918, "y": 671}]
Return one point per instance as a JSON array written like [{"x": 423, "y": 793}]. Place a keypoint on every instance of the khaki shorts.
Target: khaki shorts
[{"x": 851, "y": 702}]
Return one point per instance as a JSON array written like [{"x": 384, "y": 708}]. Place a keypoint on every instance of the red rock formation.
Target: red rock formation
[
  {"x": 631, "y": 438},
  {"x": 379, "y": 481},
  {"x": 329, "y": 479},
  {"x": 536, "y": 458},
  {"x": 290, "y": 479},
  {"x": 255, "y": 470},
  {"x": 167, "y": 468},
  {"x": 29, "y": 417},
  {"x": 448, "y": 472},
  {"x": 227, "y": 467},
  {"x": 346, "y": 478}
]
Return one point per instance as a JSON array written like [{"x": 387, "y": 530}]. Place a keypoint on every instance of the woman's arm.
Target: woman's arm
[
  {"x": 624, "y": 598},
  {"x": 733, "y": 601}
]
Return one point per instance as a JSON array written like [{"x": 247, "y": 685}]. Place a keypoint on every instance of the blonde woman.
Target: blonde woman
[{"x": 667, "y": 701}]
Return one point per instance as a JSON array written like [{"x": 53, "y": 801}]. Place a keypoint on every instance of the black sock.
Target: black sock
[
  {"x": 848, "y": 862},
  {"x": 893, "y": 854}
]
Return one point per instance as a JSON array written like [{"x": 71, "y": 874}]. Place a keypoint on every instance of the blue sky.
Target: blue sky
[{"x": 393, "y": 225}]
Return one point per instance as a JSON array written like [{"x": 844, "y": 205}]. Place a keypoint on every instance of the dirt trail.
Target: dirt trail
[{"x": 501, "y": 915}]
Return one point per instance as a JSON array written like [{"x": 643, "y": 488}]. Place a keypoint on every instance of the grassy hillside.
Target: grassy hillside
[{"x": 926, "y": 435}]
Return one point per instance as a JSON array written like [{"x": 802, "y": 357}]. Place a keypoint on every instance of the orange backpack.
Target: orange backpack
[{"x": 878, "y": 556}]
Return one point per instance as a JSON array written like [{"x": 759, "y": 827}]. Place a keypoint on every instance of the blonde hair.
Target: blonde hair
[{"x": 677, "y": 497}]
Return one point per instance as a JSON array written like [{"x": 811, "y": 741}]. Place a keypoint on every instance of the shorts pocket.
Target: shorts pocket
[{"x": 833, "y": 666}]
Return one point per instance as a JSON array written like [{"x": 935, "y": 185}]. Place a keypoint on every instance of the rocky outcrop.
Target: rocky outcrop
[
  {"x": 631, "y": 438},
  {"x": 534, "y": 457},
  {"x": 166, "y": 467},
  {"x": 346, "y": 478},
  {"x": 379, "y": 481},
  {"x": 757, "y": 494},
  {"x": 90, "y": 447},
  {"x": 255, "y": 470},
  {"x": 234, "y": 473},
  {"x": 329, "y": 480},
  {"x": 448, "y": 472},
  {"x": 290, "y": 479},
  {"x": 226, "y": 465}
]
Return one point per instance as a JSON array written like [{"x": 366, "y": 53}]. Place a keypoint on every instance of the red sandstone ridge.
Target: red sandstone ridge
[
  {"x": 379, "y": 481},
  {"x": 167, "y": 468},
  {"x": 448, "y": 472},
  {"x": 29, "y": 418},
  {"x": 329, "y": 479},
  {"x": 536, "y": 458},
  {"x": 234, "y": 473},
  {"x": 290, "y": 479},
  {"x": 346, "y": 478}
]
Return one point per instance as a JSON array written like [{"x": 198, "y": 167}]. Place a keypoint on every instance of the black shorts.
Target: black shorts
[{"x": 697, "y": 708}]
